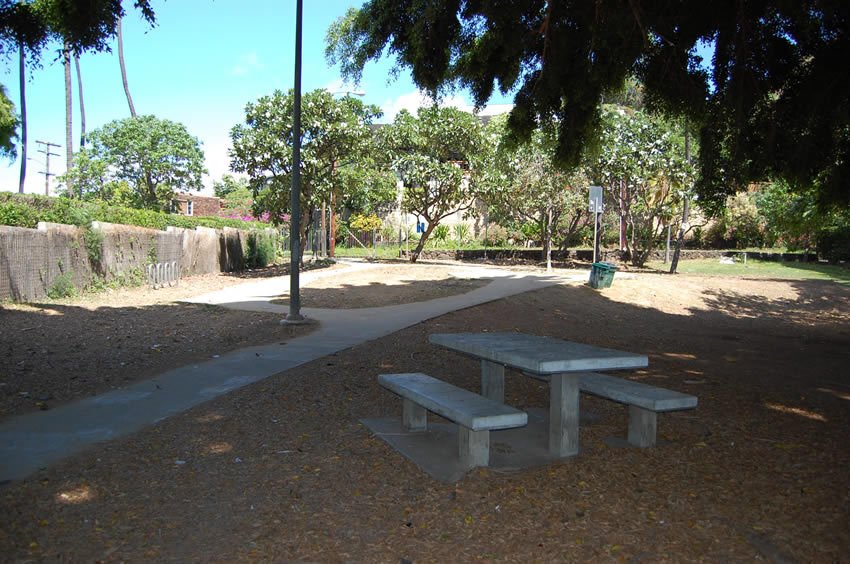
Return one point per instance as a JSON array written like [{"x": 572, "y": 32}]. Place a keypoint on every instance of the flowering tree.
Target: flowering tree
[
  {"x": 433, "y": 153},
  {"x": 338, "y": 155},
  {"x": 645, "y": 174},
  {"x": 525, "y": 184}
]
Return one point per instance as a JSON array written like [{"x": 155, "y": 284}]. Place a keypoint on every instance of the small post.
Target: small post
[{"x": 595, "y": 207}]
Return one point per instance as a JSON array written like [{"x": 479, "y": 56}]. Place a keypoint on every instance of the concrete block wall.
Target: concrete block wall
[{"x": 31, "y": 260}]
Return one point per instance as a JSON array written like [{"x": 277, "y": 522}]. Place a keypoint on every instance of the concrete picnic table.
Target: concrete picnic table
[{"x": 559, "y": 362}]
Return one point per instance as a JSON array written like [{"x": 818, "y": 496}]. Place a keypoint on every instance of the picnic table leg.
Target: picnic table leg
[
  {"x": 414, "y": 417},
  {"x": 493, "y": 381},
  {"x": 563, "y": 415}
]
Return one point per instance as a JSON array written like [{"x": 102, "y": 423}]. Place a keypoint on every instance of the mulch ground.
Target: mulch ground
[{"x": 283, "y": 470}]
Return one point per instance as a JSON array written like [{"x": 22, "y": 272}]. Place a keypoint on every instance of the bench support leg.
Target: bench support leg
[
  {"x": 563, "y": 415},
  {"x": 493, "y": 381},
  {"x": 642, "y": 426},
  {"x": 473, "y": 447},
  {"x": 414, "y": 417}
]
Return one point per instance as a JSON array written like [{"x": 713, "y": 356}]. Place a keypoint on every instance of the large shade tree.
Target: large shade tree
[
  {"x": 433, "y": 154},
  {"x": 643, "y": 169},
  {"x": 773, "y": 101},
  {"x": 338, "y": 154},
  {"x": 149, "y": 156}
]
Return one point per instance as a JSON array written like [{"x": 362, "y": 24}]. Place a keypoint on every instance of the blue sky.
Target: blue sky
[{"x": 200, "y": 65}]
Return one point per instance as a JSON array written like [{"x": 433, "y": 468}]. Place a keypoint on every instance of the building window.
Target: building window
[{"x": 189, "y": 207}]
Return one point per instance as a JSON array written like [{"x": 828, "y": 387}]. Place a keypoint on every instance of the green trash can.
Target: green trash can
[{"x": 602, "y": 274}]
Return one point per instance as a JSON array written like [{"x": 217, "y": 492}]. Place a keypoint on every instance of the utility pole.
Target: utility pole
[{"x": 46, "y": 172}]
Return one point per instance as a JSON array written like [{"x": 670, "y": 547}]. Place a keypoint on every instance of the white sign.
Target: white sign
[{"x": 595, "y": 203}]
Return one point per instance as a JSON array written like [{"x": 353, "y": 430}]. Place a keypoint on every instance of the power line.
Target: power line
[{"x": 46, "y": 172}]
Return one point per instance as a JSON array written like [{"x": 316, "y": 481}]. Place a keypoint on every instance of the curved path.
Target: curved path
[{"x": 34, "y": 440}]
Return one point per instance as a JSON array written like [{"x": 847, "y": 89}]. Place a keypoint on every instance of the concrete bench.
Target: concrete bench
[
  {"x": 475, "y": 415},
  {"x": 644, "y": 402}
]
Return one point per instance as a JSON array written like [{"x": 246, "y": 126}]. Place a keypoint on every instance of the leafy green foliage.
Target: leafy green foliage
[
  {"x": 366, "y": 222},
  {"x": 434, "y": 154},
  {"x": 525, "y": 184},
  {"x": 228, "y": 185},
  {"x": 261, "y": 249},
  {"x": 441, "y": 234},
  {"x": 152, "y": 157},
  {"x": 8, "y": 126},
  {"x": 62, "y": 287},
  {"x": 771, "y": 105},
  {"x": 337, "y": 153},
  {"x": 238, "y": 199},
  {"x": 645, "y": 175},
  {"x": 461, "y": 233},
  {"x": 86, "y": 26},
  {"x": 27, "y": 210},
  {"x": 834, "y": 243}
]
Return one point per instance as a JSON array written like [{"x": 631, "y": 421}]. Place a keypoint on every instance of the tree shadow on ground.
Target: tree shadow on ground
[
  {"x": 379, "y": 294},
  {"x": 52, "y": 353},
  {"x": 757, "y": 471}
]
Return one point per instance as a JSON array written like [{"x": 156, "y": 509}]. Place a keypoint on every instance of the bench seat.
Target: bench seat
[
  {"x": 644, "y": 402},
  {"x": 475, "y": 415}
]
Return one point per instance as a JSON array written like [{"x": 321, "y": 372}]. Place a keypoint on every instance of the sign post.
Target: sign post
[{"x": 595, "y": 207}]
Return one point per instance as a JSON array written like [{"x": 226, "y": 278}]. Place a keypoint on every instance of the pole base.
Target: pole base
[{"x": 296, "y": 319}]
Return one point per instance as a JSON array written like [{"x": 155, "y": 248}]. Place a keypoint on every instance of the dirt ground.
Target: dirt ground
[{"x": 283, "y": 470}]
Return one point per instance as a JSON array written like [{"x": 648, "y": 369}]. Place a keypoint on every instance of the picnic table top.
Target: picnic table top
[{"x": 538, "y": 355}]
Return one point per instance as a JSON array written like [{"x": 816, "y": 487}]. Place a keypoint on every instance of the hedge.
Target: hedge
[{"x": 27, "y": 210}]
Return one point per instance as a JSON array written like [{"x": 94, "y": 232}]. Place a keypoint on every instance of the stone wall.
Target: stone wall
[{"x": 32, "y": 261}]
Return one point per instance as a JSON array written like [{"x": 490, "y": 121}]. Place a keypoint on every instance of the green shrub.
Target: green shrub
[
  {"x": 17, "y": 215},
  {"x": 461, "y": 232},
  {"x": 94, "y": 245},
  {"x": 495, "y": 236},
  {"x": 26, "y": 210},
  {"x": 834, "y": 243},
  {"x": 63, "y": 287},
  {"x": 440, "y": 234},
  {"x": 261, "y": 250}
]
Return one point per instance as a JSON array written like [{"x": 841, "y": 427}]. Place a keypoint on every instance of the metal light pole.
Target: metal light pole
[{"x": 295, "y": 193}]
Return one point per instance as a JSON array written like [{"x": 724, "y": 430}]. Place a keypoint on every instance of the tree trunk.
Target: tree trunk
[
  {"x": 69, "y": 109},
  {"x": 623, "y": 237},
  {"x": 422, "y": 240},
  {"x": 680, "y": 238},
  {"x": 124, "y": 69},
  {"x": 23, "y": 80},
  {"x": 82, "y": 105}
]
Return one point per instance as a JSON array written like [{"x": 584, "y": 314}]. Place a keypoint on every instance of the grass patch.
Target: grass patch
[{"x": 761, "y": 269}]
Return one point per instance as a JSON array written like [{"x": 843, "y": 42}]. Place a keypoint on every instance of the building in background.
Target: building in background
[{"x": 194, "y": 204}]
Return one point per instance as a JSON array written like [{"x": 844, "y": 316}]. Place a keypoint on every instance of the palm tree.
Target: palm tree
[
  {"x": 23, "y": 81},
  {"x": 69, "y": 133},
  {"x": 82, "y": 105},
  {"x": 124, "y": 69}
]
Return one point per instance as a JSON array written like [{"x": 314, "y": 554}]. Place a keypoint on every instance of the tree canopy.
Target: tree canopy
[
  {"x": 8, "y": 126},
  {"x": 522, "y": 184},
  {"x": 86, "y": 25},
  {"x": 773, "y": 101},
  {"x": 147, "y": 156},
  {"x": 433, "y": 153},
  {"x": 338, "y": 155}
]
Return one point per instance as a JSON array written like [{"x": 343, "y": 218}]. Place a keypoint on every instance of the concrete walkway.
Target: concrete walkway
[{"x": 35, "y": 440}]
